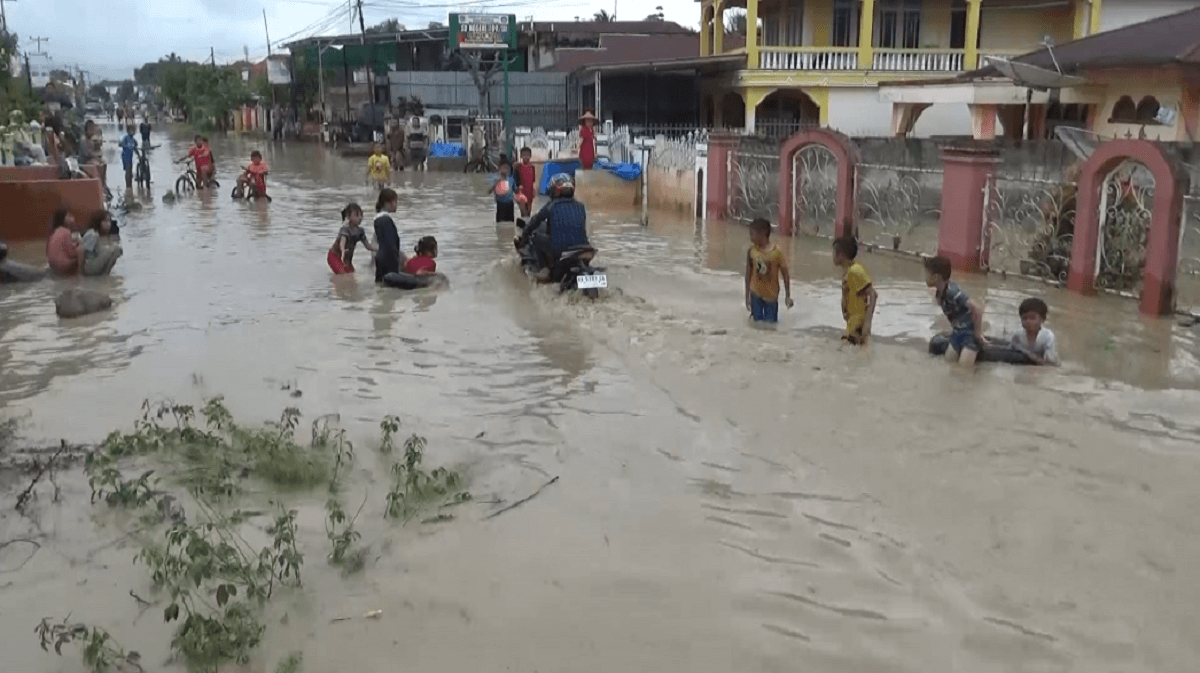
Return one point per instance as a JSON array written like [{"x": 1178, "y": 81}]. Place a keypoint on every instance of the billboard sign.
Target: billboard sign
[
  {"x": 483, "y": 31},
  {"x": 277, "y": 72}
]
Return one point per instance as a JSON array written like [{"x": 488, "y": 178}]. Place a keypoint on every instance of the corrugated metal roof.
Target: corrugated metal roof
[
  {"x": 1169, "y": 39},
  {"x": 698, "y": 63}
]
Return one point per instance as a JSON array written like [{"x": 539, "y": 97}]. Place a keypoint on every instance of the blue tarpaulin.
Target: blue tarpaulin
[
  {"x": 446, "y": 150},
  {"x": 552, "y": 169},
  {"x": 623, "y": 171}
]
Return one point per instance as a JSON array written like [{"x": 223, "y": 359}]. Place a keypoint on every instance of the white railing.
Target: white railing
[
  {"x": 918, "y": 60},
  {"x": 811, "y": 58}
]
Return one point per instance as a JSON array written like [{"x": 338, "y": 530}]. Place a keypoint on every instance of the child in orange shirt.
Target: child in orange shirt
[{"x": 255, "y": 176}]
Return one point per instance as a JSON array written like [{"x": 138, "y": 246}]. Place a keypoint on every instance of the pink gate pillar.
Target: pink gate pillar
[
  {"x": 964, "y": 183},
  {"x": 846, "y": 153},
  {"x": 722, "y": 148},
  {"x": 1171, "y": 183}
]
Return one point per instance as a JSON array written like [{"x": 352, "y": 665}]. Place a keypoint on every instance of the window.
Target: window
[
  {"x": 898, "y": 24},
  {"x": 1147, "y": 110},
  {"x": 1124, "y": 111},
  {"x": 845, "y": 23}
]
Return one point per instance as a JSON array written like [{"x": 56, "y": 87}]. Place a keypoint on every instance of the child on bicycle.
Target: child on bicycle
[
  {"x": 128, "y": 146},
  {"x": 200, "y": 154},
  {"x": 255, "y": 175}
]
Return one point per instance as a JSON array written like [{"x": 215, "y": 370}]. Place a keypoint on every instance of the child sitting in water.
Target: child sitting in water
[
  {"x": 341, "y": 253},
  {"x": 503, "y": 189},
  {"x": 966, "y": 318},
  {"x": 423, "y": 264},
  {"x": 99, "y": 254},
  {"x": 379, "y": 168},
  {"x": 1035, "y": 339}
]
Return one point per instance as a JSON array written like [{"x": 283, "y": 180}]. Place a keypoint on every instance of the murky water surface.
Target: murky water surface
[{"x": 729, "y": 499}]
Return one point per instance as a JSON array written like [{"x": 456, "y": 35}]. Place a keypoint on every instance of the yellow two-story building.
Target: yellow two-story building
[{"x": 809, "y": 62}]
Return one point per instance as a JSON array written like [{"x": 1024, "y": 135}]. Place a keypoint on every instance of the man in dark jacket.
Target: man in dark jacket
[{"x": 557, "y": 227}]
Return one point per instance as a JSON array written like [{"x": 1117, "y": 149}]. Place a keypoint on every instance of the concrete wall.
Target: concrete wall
[
  {"x": 28, "y": 201},
  {"x": 858, "y": 112},
  {"x": 1020, "y": 28},
  {"x": 671, "y": 189},
  {"x": 1165, "y": 85},
  {"x": 604, "y": 187},
  {"x": 1119, "y": 13}
]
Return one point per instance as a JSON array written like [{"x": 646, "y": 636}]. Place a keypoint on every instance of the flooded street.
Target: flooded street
[{"x": 728, "y": 498}]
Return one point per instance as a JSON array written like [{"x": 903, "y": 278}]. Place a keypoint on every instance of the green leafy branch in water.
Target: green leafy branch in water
[
  {"x": 389, "y": 427},
  {"x": 106, "y": 484},
  {"x": 210, "y": 560},
  {"x": 101, "y": 653},
  {"x": 339, "y": 528},
  {"x": 291, "y": 664},
  {"x": 413, "y": 488}
]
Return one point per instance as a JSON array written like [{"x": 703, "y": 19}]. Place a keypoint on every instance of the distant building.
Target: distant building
[{"x": 39, "y": 70}]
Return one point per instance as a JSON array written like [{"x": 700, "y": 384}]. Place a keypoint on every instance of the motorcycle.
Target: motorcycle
[{"x": 572, "y": 271}]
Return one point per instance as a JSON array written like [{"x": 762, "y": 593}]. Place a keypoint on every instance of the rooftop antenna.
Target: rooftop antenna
[{"x": 1048, "y": 43}]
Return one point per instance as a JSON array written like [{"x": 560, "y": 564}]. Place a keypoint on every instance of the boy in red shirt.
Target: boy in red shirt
[
  {"x": 526, "y": 182},
  {"x": 256, "y": 175}
]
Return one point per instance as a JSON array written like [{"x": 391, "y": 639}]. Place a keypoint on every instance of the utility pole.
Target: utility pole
[
  {"x": 3, "y": 16},
  {"x": 39, "y": 40},
  {"x": 212, "y": 54},
  {"x": 362, "y": 26},
  {"x": 268, "y": 33}
]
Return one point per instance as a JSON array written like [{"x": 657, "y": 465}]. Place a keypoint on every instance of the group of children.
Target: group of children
[
  {"x": 766, "y": 266},
  {"x": 515, "y": 191},
  {"x": 387, "y": 255}
]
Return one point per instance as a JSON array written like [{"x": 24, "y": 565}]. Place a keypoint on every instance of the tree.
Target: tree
[
  {"x": 149, "y": 72},
  {"x": 99, "y": 91},
  {"x": 388, "y": 26},
  {"x": 735, "y": 23},
  {"x": 657, "y": 15},
  {"x": 482, "y": 71},
  {"x": 126, "y": 92},
  {"x": 603, "y": 16},
  {"x": 205, "y": 95}
]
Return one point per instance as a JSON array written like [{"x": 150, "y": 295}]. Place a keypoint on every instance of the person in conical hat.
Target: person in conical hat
[{"x": 587, "y": 139}]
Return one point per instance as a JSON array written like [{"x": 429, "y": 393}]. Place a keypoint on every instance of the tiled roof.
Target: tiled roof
[
  {"x": 1173, "y": 39},
  {"x": 627, "y": 48}
]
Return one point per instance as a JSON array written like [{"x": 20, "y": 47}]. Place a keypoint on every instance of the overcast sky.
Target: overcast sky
[{"x": 111, "y": 37}]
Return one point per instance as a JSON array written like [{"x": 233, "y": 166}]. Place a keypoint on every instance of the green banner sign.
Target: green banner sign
[{"x": 483, "y": 31}]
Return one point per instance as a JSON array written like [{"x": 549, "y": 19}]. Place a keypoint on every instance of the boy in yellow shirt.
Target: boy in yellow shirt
[
  {"x": 379, "y": 168},
  {"x": 765, "y": 264},
  {"x": 858, "y": 294}
]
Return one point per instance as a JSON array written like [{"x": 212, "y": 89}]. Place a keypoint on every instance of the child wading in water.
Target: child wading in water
[
  {"x": 527, "y": 182},
  {"x": 341, "y": 254},
  {"x": 503, "y": 189},
  {"x": 423, "y": 264},
  {"x": 1035, "y": 339},
  {"x": 858, "y": 294},
  {"x": 379, "y": 168},
  {"x": 765, "y": 264},
  {"x": 965, "y": 316},
  {"x": 388, "y": 259}
]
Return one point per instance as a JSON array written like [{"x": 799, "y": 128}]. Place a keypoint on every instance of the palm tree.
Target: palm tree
[{"x": 603, "y": 16}]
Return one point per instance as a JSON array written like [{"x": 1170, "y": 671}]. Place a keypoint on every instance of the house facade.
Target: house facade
[
  {"x": 811, "y": 62},
  {"x": 1137, "y": 81}
]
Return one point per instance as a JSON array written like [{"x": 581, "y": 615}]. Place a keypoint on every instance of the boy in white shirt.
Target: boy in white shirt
[{"x": 1035, "y": 339}]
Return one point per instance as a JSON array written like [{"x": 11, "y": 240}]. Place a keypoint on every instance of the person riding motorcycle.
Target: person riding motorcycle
[{"x": 559, "y": 226}]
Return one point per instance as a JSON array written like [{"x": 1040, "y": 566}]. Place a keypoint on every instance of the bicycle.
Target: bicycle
[
  {"x": 246, "y": 190},
  {"x": 190, "y": 180},
  {"x": 141, "y": 172}
]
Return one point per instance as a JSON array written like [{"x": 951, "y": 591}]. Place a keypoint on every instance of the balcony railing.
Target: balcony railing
[
  {"x": 808, "y": 58},
  {"x": 919, "y": 60}
]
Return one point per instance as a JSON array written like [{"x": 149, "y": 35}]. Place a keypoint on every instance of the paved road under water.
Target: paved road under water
[{"x": 730, "y": 499}]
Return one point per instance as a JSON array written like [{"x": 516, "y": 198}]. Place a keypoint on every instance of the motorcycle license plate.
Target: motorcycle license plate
[{"x": 598, "y": 280}]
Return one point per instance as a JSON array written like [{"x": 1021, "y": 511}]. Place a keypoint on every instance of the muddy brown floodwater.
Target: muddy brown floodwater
[{"x": 729, "y": 499}]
